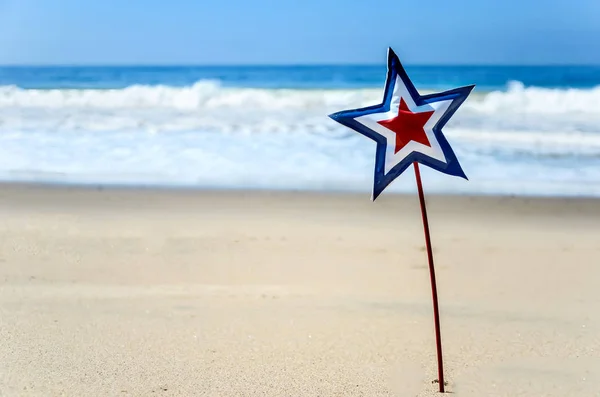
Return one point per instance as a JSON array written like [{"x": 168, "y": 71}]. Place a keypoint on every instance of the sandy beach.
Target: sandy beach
[{"x": 141, "y": 292}]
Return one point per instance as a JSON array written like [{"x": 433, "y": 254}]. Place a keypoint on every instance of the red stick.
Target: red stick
[{"x": 436, "y": 313}]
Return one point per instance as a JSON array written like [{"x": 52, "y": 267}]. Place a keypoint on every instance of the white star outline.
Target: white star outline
[{"x": 392, "y": 159}]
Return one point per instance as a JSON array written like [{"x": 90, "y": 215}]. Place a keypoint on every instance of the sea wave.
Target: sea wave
[
  {"x": 206, "y": 94},
  {"x": 539, "y": 100},
  {"x": 210, "y": 94},
  {"x": 207, "y": 105},
  {"x": 210, "y": 135}
]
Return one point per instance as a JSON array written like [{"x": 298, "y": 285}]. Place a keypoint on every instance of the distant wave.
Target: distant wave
[
  {"x": 207, "y": 106},
  {"x": 209, "y": 94},
  {"x": 520, "y": 99}
]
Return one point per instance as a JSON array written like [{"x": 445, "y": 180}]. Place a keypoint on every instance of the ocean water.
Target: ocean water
[{"x": 523, "y": 131}]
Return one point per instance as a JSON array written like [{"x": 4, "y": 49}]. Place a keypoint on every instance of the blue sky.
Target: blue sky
[{"x": 298, "y": 31}]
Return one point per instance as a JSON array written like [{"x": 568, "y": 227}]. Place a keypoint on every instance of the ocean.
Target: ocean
[{"x": 523, "y": 131}]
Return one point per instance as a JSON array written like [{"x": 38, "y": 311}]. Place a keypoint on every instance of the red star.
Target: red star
[{"x": 407, "y": 126}]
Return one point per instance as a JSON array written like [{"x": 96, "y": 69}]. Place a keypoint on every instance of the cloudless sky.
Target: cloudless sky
[{"x": 299, "y": 31}]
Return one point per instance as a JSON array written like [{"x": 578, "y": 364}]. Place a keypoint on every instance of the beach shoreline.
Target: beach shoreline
[
  {"x": 26, "y": 187},
  {"x": 135, "y": 291}
]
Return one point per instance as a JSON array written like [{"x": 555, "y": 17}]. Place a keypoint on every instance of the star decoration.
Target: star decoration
[{"x": 407, "y": 127}]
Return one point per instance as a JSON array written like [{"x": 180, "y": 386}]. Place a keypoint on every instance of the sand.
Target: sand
[{"x": 141, "y": 292}]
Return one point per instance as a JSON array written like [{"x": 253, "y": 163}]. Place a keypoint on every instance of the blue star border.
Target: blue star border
[{"x": 381, "y": 179}]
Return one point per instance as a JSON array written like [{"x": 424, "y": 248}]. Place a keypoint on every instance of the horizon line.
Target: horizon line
[{"x": 267, "y": 65}]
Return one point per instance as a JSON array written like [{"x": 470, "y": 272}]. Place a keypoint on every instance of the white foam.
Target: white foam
[
  {"x": 210, "y": 135},
  {"x": 203, "y": 94},
  {"x": 519, "y": 99},
  {"x": 210, "y": 94},
  {"x": 208, "y": 105}
]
